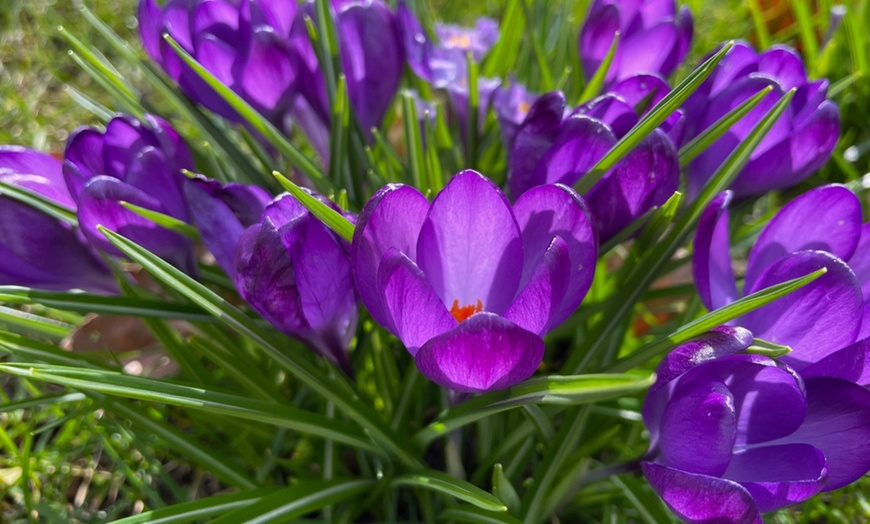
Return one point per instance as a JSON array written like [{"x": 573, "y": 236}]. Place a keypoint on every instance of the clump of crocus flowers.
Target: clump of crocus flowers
[{"x": 479, "y": 274}]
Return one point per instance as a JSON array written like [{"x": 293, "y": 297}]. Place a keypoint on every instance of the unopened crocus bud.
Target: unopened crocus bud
[
  {"x": 137, "y": 163},
  {"x": 295, "y": 272}
]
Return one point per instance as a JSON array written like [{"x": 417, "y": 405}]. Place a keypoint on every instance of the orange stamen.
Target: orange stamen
[{"x": 463, "y": 312}]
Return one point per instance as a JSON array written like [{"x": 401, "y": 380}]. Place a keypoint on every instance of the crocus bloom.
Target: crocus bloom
[
  {"x": 470, "y": 283},
  {"x": 222, "y": 213},
  {"x": 734, "y": 435},
  {"x": 372, "y": 58},
  {"x": 820, "y": 229},
  {"x": 444, "y": 64},
  {"x": 244, "y": 44},
  {"x": 799, "y": 143},
  {"x": 134, "y": 162},
  {"x": 35, "y": 249},
  {"x": 549, "y": 148},
  {"x": 295, "y": 272},
  {"x": 653, "y": 37},
  {"x": 512, "y": 104}
]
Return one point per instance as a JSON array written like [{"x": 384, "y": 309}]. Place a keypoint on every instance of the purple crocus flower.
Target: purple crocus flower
[
  {"x": 550, "y": 148},
  {"x": 244, "y": 44},
  {"x": 372, "y": 58},
  {"x": 222, "y": 213},
  {"x": 295, "y": 272},
  {"x": 35, "y": 249},
  {"x": 820, "y": 229},
  {"x": 470, "y": 283},
  {"x": 134, "y": 162},
  {"x": 799, "y": 143},
  {"x": 512, "y": 104},
  {"x": 653, "y": 37},
  {"x": 444, "y": 64},
  {"x": 734, "y": 435}
]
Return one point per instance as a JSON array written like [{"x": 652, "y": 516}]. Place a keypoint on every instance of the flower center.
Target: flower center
[
  {"x": 460, "y": 41},
  {"x": 461, "y": 313}
]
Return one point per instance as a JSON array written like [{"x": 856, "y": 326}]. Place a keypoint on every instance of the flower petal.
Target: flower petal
[
  {"x": 825, "y": 219},
  {"x": 469, "y": 246},
  {"x": 542, "y": 295},
  {"x": 222, "y": 213},
  {"x": 484, "y": 353},
  {"x": 815, "y": 320},
  {"x": 596, "y": 37},
  {"x": 702, "y": 499},
  {"x": 416, "y": 313},
  {"x": 647, "y": 177},
  {"x": 698, "y": 427},
  {"x": 391, "y": 219},
  {"x": 555, "y": 210},
  {"x": 325, "y": 285},
  {"x": 838, "y": 423},
  {"x": 581, "y": 142},
  {"x": 100, "y": 204},
  {"x": 36, "y": 171},
  {"x": 711, "y": 259},
  {"x": 535, "y": 136},
  {"x": 778, "y": 476}
]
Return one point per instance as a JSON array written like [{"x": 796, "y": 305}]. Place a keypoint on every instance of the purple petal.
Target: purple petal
[
  {"x": 218, "y": 57},
  {"x": 150, "y": 171},
  {"x": 860, "y": 261},
  {"x": 512, "y": 104},
  {"x": 35, "y": 171},
  {"x": 701, "y": 499},
  {"x": 542, "y": 296},
  {"x": 325, "y": 284},
  {"x": 478, "y": 39},
  {"x": 784, "y": 65},
  {"x": 612, "y": 110},
  {"x": 698, "y": 428},
  {"x": 100, "y": 205},
  {"x": 415, "y": 312},
  {"x": 484, "y": 353},
  {"x": 265, "y": 278},
  {"x": 794, "y": 158},
  {"x": 815, "y": 320},
  {"x": 535, "y": 136},
  {"x": 778, "y": 476},
  {"x": 83, "y": 159},
  {"x": 647, "y": 88},
  {"x": 581, "y": 143},
  {"x": 824, "y": 219},
  {"x": 551, "y": 211},
  {"x": 720, "y": 342},
  {"x": 647, "y": 177},
  {"x": 596, "y": 37},
  {"x": 39, "y": 251},
  {"x": 124, "y": 138},
  {"x": 838, "y": 423},
  {"x": 372, "y": 58},
  {"x": 150, "y": 26},
  {"x": 269, "y": 71},
  {"x": 391, "y": 219},
  {"x": 222, "y": 213},
  {"x": 470, "y": 246},
  {"x": 711, "y": 260},
  {"x": 647, "y": 51},
  {"x": 851, "y": 363}
]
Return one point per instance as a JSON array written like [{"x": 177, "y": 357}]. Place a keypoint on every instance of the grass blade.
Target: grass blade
[
  {"x": 444, "y": 483},
  {"x": 330, "y": 217}
]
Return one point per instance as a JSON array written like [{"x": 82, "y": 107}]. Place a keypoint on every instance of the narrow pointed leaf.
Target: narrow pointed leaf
[
  {"x": 444, "y": 483},
  {"x": 554, "y": 389},
  {"x": 330, "y": 217},
  {"x": 171, "y": 223},
  {"x": 593, "y": 87},
  {"x": 213, "y": 506},
  {"x": 198, "y": 398},
  {"x": 297, "y": 501},
  {"x": 39, "y": 202}
]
